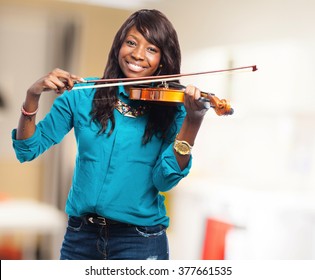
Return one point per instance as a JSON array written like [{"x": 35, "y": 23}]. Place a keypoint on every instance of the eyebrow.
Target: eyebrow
[{"x": 131, "y": 35}]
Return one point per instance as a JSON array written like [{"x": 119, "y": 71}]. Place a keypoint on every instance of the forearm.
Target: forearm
[{"x": 188, "y": 133}]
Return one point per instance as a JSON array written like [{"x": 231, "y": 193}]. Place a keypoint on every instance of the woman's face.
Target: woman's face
[{"x": 137, "y": 57}]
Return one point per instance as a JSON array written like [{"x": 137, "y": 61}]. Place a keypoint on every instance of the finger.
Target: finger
[
  {"x": 70, "y": 79},
  {"x": 64, "y": 80},
  {"x": 49, "y": 85},
  {"x": 61, "y": 77},
  {"x": 74, "y": 80},
  {"x": 193, "y": 92},
  {"x": 58, "y": 82},
  {"x": 189, "y": 90},
  {"x": 206, "y": 105},
  {"x": 77, "y": 78}
]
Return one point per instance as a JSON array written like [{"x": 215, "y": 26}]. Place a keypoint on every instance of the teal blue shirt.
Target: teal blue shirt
[{"x": 117, "y": 176}]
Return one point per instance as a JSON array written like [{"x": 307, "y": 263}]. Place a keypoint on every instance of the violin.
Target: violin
[
  {"x": 175, "y": 95},
  {"x": 164, "y": 92}
]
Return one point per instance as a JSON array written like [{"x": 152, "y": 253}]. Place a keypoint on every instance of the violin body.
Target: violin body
[
  {"x": 157, "y": 94},
  {"x": 175, "y": 96}
]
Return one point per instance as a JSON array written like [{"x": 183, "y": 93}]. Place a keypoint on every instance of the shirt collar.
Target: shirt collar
[{"x": 122, "y": 91}]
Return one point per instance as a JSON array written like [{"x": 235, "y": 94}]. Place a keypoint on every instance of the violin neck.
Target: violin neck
[{"x": 206, "y": 94}]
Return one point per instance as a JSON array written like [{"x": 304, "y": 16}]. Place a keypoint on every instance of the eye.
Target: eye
[
  {"x": 130, "y": 43},
  {"x": 153, "y": 49}
]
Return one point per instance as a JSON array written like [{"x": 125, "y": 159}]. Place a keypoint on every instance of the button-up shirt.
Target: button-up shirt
[{"x": 115, "y": 176}]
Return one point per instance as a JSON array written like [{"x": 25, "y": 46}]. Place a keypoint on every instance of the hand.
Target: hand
[
  {"x": 195, "y": 108},
  {"x": 57, "y": 80}
]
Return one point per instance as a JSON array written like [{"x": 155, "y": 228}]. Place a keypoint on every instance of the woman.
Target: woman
[{"x": 128, "y": 151}]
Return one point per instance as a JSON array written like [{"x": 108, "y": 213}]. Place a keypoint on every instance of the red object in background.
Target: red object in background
[
  {"x": 8, "y": 251},
  {"x": 214, "y": 242}
]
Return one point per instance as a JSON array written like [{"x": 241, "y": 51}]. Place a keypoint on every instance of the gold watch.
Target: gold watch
[{"x": 182, "y": 147}]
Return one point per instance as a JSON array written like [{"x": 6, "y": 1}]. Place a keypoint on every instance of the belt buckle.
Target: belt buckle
[{"x": 102, "y": 222}]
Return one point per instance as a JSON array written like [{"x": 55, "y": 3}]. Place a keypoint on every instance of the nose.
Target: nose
[{"x": 138, "y": 53}]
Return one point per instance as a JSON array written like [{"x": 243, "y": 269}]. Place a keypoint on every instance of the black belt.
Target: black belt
[{"x": 98, "y": 220}]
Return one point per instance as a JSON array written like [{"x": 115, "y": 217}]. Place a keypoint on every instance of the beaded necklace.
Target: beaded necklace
[{"x": 129, "y": 111}]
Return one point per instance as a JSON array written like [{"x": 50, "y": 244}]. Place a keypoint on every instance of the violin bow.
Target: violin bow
[{"x": 150, "y": 79}]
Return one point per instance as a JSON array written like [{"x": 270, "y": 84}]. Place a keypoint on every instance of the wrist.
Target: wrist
[
  {"x": 32, "y": 94},
  {"x": 31, "y": 100},
  {"x": 27, "y": 113}
]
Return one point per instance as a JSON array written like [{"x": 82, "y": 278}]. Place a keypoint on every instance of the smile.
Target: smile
[{"x": 135, "y": 68}]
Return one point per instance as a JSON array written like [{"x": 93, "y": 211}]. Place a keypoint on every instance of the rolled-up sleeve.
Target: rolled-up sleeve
[
  {"x": 48, "y": 132},
  {"x": 167, "y": 173},
  {"x": 26, "y": 150}
]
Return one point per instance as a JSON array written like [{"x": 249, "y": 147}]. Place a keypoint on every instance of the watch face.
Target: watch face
[{"x": 182, "y": 148}]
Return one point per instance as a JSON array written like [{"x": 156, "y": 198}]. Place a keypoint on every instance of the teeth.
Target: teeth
[{"x": 135, "y": 67}]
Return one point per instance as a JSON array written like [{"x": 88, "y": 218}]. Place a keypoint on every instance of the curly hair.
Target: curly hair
[{"x": 158, "y": 30}]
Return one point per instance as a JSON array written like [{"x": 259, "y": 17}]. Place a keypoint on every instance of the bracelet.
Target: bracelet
[{"x": 28, "y": 114}]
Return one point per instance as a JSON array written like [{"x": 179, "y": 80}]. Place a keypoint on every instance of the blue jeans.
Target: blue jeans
[{"x": 85, "y": 241}]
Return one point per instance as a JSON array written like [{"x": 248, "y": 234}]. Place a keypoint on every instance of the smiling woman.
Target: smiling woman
[{"x": 128, "y": 150}]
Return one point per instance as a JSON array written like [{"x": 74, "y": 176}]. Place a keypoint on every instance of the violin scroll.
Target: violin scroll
[{"x": 221, "y": 106}]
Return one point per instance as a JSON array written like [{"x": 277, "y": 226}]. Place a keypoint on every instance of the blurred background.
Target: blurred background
[{"x": 251, "y": 191}]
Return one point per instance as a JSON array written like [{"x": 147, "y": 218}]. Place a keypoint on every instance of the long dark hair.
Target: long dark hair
[{"x": 157, "y": 30}]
